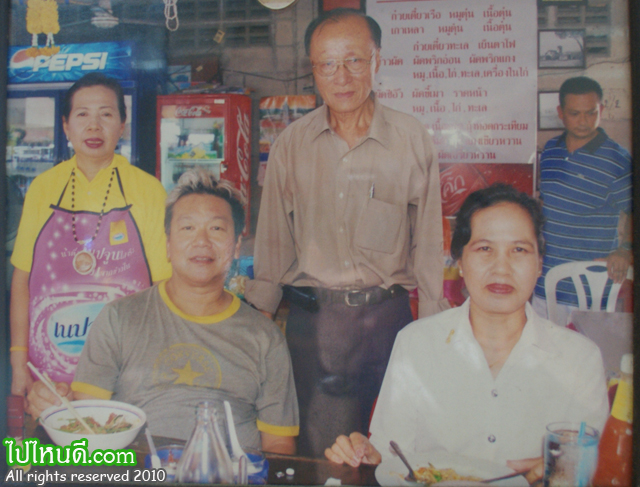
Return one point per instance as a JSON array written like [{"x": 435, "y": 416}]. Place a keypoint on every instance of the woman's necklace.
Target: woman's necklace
[{"x": 73, "y": 213}]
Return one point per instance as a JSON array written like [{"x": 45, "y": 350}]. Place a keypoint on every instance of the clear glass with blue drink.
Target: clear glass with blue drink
[{"x": 570, "y": 454}]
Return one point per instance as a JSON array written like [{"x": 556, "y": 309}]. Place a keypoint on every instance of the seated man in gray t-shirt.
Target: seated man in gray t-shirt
[{"x": 186, "y": 339}]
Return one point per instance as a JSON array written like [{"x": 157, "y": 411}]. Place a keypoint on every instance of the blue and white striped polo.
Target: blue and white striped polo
[{"x": 583, "y": 193}]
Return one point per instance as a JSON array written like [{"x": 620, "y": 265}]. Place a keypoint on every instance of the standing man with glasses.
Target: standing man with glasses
[{"x": 350, "y": 221}]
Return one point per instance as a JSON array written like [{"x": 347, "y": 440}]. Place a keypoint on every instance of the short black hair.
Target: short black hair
[
  {"x": 94, "y": 79},
  {"x": 336, "y": 15},
  {"x": 491, "y": 196},
  {"x": 201, "y": 181},
  {"x": 580, "y": 85}
]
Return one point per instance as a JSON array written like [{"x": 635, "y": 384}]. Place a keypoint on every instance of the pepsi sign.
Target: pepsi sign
[{"x": 71, "y": 63}]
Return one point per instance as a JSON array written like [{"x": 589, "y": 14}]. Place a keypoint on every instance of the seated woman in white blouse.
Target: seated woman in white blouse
[{"x": 483, "y": 380}]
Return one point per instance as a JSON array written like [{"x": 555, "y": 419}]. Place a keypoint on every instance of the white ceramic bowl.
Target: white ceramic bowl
[{"x": 56, "y": 416}]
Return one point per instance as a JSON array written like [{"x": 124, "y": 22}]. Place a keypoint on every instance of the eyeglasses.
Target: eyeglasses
[{"x": 354, "y": 65}]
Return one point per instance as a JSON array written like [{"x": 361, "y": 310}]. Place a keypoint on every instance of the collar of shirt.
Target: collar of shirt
[
  {"x": 231, "y": 310},
  {"x": 118, "y": 161},
  {"x": 535, "y": 332},
  {"x": 591, "y": 146},
  {"x": 377, "y": 130}
]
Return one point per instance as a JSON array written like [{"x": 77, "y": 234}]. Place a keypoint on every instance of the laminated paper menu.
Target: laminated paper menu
[{"x": 467, "y": 70}]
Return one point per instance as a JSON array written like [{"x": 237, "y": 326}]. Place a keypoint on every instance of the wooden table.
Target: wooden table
[{"x": 307, "y": 471}]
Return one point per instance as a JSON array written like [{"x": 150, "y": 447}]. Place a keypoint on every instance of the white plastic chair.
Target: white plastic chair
[{"x": 596, "y": 275}]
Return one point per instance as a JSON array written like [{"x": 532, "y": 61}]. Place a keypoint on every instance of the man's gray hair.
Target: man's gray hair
[
  {"x": 337, "y": 14},
  {"x": 201, "y": 181}
]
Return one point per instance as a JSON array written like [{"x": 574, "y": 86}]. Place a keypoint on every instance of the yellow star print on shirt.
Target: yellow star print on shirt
[
  {"x": 193, "y": 364},
  {"x": 186, "y": 375}
]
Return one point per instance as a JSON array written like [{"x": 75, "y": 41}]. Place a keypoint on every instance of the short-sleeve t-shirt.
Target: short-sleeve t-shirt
[
  {"x": 142, "y": 191},
  {"x": 144, "y": 351},
  {"x": 583, "y": 194}
]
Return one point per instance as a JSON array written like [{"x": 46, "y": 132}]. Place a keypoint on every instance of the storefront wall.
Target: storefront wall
[{"x": 283, "y": 68}]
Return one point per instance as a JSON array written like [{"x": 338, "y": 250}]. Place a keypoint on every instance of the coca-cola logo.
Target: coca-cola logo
[
  {"x": 243, "y": 150},
  {"x": 456, "y": 183},
  {"x": 192, "y": 111}
]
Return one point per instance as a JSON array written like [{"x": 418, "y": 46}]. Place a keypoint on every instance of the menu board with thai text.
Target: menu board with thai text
[{"x": 467, "y": 70}]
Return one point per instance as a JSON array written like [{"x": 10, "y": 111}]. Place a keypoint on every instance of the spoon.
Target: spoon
[
  {"x": 155, "y": 459},
  {"x": 236, "y": 449},
  {"x": 411, "y": 476},
  {"x": 495, "y": 479},
  {"x": 239, "y": 457}
]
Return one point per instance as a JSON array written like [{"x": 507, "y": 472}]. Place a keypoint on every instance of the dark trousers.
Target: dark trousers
[{"x": 339, "y": 356}]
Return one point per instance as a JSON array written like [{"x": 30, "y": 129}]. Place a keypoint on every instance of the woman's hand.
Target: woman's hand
[
  {"x": 21, "y": 381},
  {"x": 531, "y": 468},
  {"x": 354, "y": 450},
  {"x": 40, "y": 397}
]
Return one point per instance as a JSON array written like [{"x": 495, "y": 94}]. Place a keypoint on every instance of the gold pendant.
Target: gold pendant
[{"x": 84, "y": 262}]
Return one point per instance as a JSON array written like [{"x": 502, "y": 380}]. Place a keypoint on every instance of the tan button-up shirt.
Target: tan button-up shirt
[{"x": 343, "y": 218}]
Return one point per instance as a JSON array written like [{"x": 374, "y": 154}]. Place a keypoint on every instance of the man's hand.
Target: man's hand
[
  {"x": 267, "y": 314},
  {"x": 40, "y": 397},
  {"x": 618, "y": 263},
  {"x": 531, "y": 468},
  {"x": 354, "y": 450}
]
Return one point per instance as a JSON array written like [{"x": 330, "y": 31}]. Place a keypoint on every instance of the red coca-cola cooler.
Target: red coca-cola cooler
[{"x": 211, "y": 131}]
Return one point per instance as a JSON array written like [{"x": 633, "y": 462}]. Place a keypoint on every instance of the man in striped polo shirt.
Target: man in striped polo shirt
[{"x": 585, "y": 186}]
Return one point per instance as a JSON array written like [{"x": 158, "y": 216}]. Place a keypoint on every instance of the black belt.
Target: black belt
[{"x": 311, "y": 298}]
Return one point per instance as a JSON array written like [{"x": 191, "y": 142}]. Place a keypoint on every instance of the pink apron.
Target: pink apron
[{"x": 71, "y": 282}]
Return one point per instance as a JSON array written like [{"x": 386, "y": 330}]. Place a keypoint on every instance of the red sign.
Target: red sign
[{"x": 457, "y": 181}]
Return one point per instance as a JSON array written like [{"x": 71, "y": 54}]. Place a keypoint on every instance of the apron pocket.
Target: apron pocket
[{"x": 379, "y": 226}]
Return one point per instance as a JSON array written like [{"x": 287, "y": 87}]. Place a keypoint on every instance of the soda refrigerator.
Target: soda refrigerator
[
  {"x": 36, "y": 88},
  {"x": 210, "y": 131}
]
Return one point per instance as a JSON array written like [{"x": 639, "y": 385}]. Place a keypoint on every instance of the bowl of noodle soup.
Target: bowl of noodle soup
[{"x": 115, "y": 424}]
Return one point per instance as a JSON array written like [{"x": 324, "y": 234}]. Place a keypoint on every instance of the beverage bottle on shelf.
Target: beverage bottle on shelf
[
  {"x": 205, "y": 459},
  {"x": 614, "y": 452}
]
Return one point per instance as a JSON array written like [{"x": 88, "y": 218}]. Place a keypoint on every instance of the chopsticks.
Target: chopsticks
[{"x": 65, "y": 402}]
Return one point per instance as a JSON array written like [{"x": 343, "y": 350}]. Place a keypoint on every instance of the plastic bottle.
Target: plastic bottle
[
  {"x": 205, "y": 459},
  {"x": 614, "y": 452}
]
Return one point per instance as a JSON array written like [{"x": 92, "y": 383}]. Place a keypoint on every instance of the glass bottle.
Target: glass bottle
[
  {"x": 205, "y": 459},
  {"x": 614, "y": 452}
]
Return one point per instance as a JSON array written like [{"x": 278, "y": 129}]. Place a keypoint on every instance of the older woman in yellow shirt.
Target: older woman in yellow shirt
[{"x": 91, "y": 231}]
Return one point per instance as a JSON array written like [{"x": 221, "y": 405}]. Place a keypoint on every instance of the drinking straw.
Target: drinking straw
[{"x": 582, "y": 463}]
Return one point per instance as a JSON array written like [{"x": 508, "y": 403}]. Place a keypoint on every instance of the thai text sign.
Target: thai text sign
[{"x": 467, "y": 70}]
